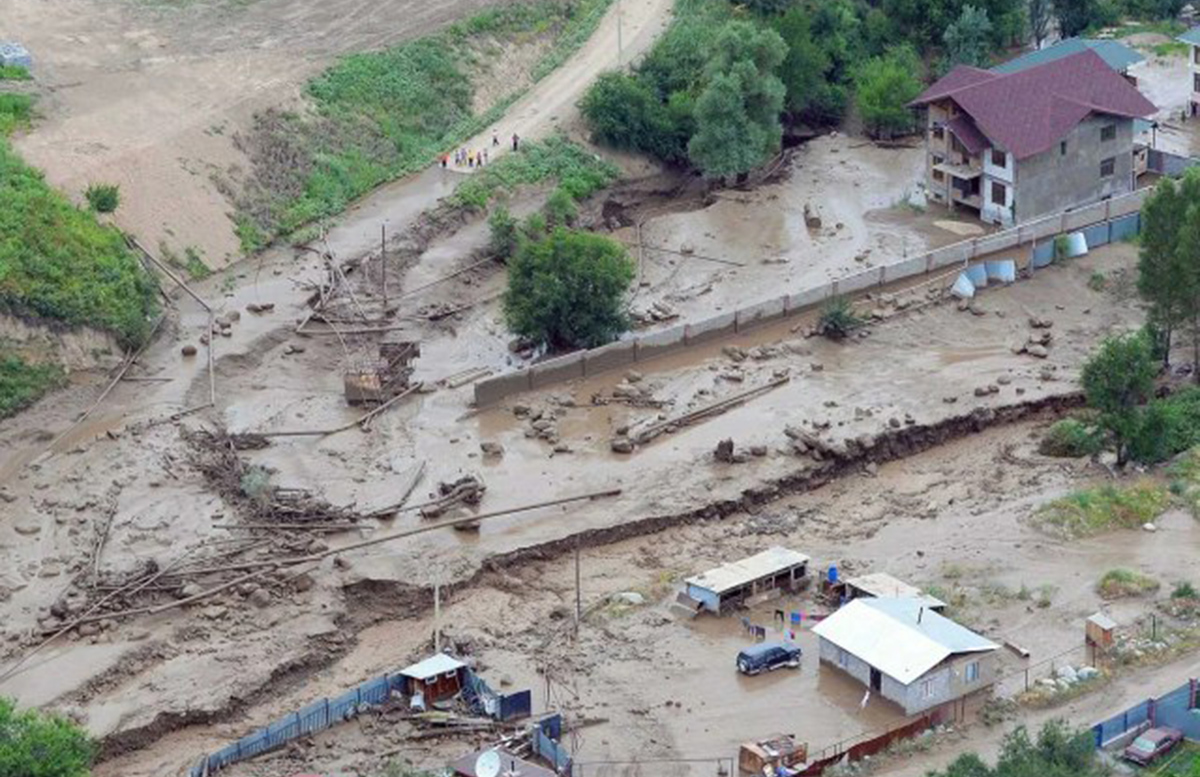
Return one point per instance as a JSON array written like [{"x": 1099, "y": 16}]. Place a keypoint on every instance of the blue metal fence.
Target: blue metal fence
[
  {"x": 325, "y": 713},
  {"x": 545, "y": 744},
  {"x": 1177, "y": 709}
]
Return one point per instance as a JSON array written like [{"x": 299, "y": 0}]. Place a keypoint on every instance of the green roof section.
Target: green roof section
[
  {"x": 1192, "y": 36},
  {"x": 1116, "y": 55}
]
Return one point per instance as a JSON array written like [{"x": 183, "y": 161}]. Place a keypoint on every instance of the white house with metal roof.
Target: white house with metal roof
[
  {"x": 749, "y": 580},
  {"x": 907, "y": 653},
  {"x": 1192, "y": 39}
]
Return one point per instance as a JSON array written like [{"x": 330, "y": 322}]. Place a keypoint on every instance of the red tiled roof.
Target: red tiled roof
[
  {"x": 1028, "y": 111},
  {"x": 968, "y": 134}
]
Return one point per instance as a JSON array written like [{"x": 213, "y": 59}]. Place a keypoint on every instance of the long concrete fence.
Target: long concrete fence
[{"x": 1113, "y": 219}]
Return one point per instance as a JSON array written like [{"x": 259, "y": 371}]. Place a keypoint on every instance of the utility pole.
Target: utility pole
[
  {"x": 383, "y": 265},
  {"x": 578, "y": 593},
  {"x": 437, "y": 618}
]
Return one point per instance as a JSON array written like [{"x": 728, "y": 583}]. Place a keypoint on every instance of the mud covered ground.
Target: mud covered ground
[{"x": 162, "y": 689}]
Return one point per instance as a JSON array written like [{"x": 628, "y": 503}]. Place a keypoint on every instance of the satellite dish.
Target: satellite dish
[{"x": 488, "y": 764}]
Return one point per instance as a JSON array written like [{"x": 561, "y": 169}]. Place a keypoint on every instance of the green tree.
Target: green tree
[
  {"x": 805, "y": 69},
  {"x": 969, "y": 40},
  {"x": 1117, "y": 379},
  {"x": 1040, "y": 13},
  {"x": 36, "y": 744},
  {"x": 883, "y": 88},
  {"x": 1158, "y": 266},
  {"x": 767, "y": 7},
  {"x": 737, "y": 114},
  {"x": 623, "y": 112},
  {"x": 1074, "y": 16},
  {"x": 567, "y": 290},
  {"x": 503, "y": 239}
]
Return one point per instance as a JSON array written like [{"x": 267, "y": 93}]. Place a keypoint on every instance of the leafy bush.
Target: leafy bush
[
  {"x": 14, "y": 73},
  {"x": 567, "y": 290},
  {"x": 838, "y": 319},
  {"x": 578, "y": 172},
  {"x": 1071, "y": 438},
  {"x": 623, "y": 112},
  {"x": 1119, "y": 583},
  {"x": 103, "y": 197},
  {"x": 1185, "y": 591},
  {"x": 57, "y": 262},
  {"x": 22, "y": 384},
  {"x": 884, "y": 87},
  {"x": 16, "y": 110},
  {"x": 1093, "y": 511},
  {"x": 37, "y": 744},
  {"x": 1059, "y": 751},
  {"x": 503, "y": 240},
  {"x": 560, "y": 208}
]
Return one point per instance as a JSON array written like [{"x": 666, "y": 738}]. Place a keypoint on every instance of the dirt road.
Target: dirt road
[{"x": 628, "y": 30}]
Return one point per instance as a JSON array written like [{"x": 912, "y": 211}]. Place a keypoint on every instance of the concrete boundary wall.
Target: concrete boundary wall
[{"x": 1102, "y": 222}]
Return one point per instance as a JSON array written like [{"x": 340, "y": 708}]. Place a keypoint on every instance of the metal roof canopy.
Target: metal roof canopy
[
  {"x": 432, "y": 667},
  {"x": 884, "y": 586},
  {"x": 1115, "y": 54},
  {"x": 736, "y": 574},
  {"x": 1103, "y": 621},
  {"x": 886, "y": 635}
]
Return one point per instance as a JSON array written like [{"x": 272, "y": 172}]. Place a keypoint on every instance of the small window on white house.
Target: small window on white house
[
  {"x": 1062, "y": 148},
  {"x": 927, "y": 689},
  {"x": 999, "y": 158},
  {"x": 1107, "y": 167},
  {"x": 972, "y": 672},
  {"x": 843, "y": 658},
  {"x": 1108, "y": 133}
]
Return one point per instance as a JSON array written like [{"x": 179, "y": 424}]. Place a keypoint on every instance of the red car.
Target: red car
[{"x": 1152, "y": 744}]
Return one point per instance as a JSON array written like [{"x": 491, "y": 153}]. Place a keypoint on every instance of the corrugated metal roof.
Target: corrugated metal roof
[
  {"x": 1192, "y": 36},
  {"x": 885, "y": 634},
  {"x": 433, "y": 666},
  {"x": 736, "y": 574},
  {"x": 1116, "y": 55},
  {"x": 884, "y": 586}
]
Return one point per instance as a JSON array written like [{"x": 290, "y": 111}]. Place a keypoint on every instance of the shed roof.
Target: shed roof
[
  {"x": 884, "y": 586},
  {"x": 1116, "y": 55},
  {"x": 432, "y": 667},
  {"x": 1026, "y": 112},
  {"x": 1103, "y": 621},
  {"x": 1192, "y": 36},
  {"x": 885, "y": 633},
  {"x": 736, "y": 574}
]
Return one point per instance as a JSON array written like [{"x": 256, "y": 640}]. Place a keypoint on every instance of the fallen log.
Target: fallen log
[{"x": 648, "y": 433}]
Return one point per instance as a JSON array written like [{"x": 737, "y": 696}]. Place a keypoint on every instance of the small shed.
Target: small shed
[
  {"x": 1100, "y": 630},
  {"x": 773, "y": 752},
  {"x": 437, "y": 677},
  {"x": 749, "y": 581},
  {"x": 880, "y": 585},
  {"x": 14, "y": 55}
]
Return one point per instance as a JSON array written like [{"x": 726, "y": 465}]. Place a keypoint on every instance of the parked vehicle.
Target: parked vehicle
[
  {"x": 1151, "y": 745},
  {"x": 766, "y": 656}
]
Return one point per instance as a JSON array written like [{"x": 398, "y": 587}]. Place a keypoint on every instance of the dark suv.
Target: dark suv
[{"x": 766, "y": 656}]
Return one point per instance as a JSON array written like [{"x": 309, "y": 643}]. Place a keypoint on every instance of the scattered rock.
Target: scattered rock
[
  {"x": 724, "y": 451},
  {"x": 27, "y": 526},
  {"x": 188, "y": 350},
  {"x": 1038, "y": 350},
  {"x": 632, "y": 598},
  {"x": 260, "y": 307},
  {"x": 622, "y": 445},
  {"x": 758, "y": 450},
  {"x": 491, "y": 449},
  {"x": 1150, "y": 527},
  {"x": 1004, "y": 380},
  {"x": 261, "y": 598}
]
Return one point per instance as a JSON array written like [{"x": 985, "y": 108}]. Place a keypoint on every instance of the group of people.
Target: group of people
[{"x": 472, "y": 158}]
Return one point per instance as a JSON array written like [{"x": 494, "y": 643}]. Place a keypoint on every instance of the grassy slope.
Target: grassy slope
[
  {"x": 59, "y": 264},
  {"x": 383, "y": 114}
]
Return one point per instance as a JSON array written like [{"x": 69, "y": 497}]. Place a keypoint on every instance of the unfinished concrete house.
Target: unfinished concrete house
[
  {"x": 1011, "y": 147},
  {"x": 907, "y": 653}
]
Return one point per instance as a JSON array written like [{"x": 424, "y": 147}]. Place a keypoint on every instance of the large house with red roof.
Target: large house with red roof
[{"x": 1013, "y": 146}]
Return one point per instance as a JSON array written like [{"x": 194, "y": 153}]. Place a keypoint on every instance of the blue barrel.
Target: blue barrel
[{"x": 833, "y": 573}]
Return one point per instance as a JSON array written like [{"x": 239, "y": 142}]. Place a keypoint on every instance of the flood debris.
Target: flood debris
[{"x": 467, "y": 490}]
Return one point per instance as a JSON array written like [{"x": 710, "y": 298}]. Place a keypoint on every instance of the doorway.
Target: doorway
[{"x": 876, "y": 680}]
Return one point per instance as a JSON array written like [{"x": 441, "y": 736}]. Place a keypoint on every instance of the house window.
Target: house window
[
  {"x": 1062, "y": 148},
  {"x": 843, "y": 658},
  {"x": 1107, "y": 167},
  {"x": 927, "y": 689},
  {"x": 939, "y": 133},
  {"x": 1108, "y": 133},
  {"x": 1196, "y": 54},
  {"x": 972, "y": 672},
  {"x": 1196, "y": 80},
  {"x": 999, "y": 193},
  {"x": 999, "y": 158},
  {"x": 938, "y": 175}
]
